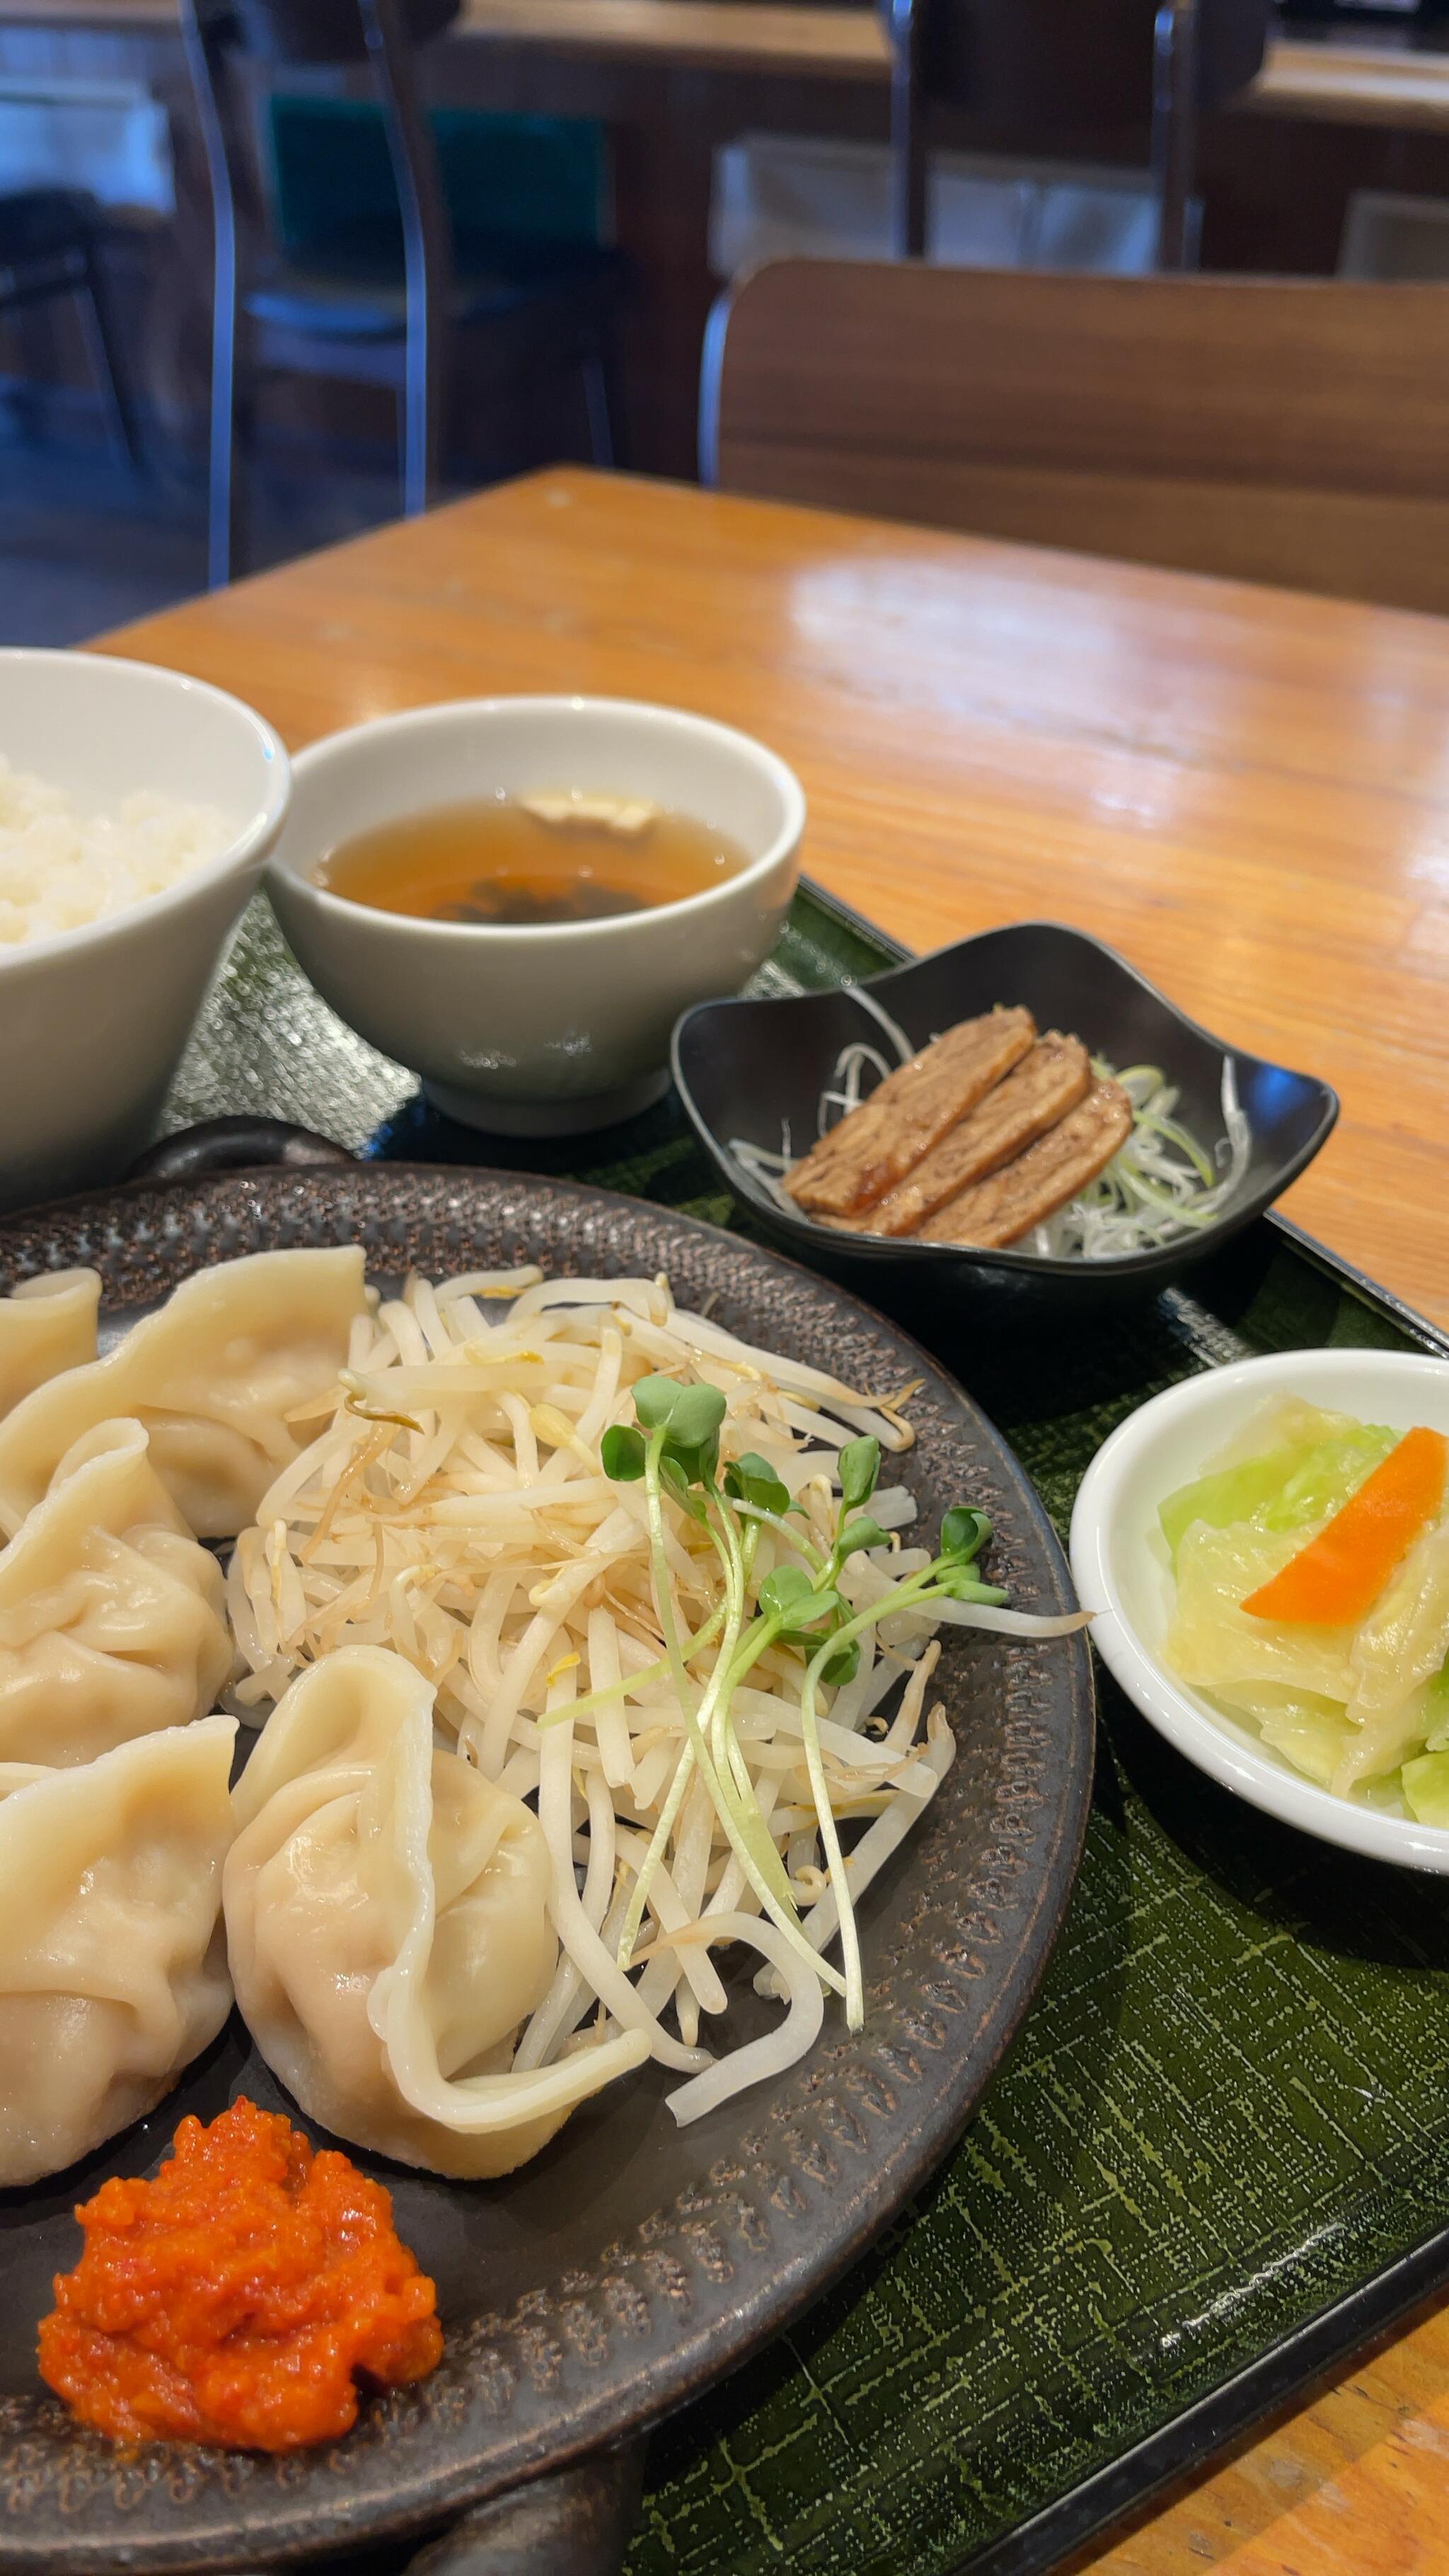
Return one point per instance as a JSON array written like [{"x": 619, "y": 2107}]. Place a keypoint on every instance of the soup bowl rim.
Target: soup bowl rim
[{"x": 337, "y": 747}]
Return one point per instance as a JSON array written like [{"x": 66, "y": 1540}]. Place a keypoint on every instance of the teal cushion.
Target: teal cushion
[{"x": 521, "y": 178}]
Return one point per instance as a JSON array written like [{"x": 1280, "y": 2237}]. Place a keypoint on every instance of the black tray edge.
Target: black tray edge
[
  {"x": 1314, "y": 2352},
  {"x": 893, "y": 951},
  {"x": 1367, "y": 1290}
]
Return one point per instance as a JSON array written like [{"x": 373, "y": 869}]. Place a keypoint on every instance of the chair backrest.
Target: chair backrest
[
  {"x": 1080, "y": 79},
  {"x": 1292, "y": 431},
  {"x": 280, "y": 34},
  {"x": 1064, "y": 69}
]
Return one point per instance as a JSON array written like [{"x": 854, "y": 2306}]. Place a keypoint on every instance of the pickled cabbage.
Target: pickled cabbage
[
  {"x": 1426, "y": 1788},
  {"x": 1362, "y": 1710},
  {"x": 1307, "y": 1729},
  {"x": 1315, "y": 1462},
  {"x": 1213, "y": 1639},
  {"x": 1400, "y": 1646}
]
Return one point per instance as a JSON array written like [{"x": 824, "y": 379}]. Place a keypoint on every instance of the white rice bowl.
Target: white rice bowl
[
  {"x": 137, "y": 808},
  {"x": 61, "y": 869}
]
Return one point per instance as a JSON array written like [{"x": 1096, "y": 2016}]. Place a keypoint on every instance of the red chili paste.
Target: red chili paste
[{"x": 240, "y": 2297}]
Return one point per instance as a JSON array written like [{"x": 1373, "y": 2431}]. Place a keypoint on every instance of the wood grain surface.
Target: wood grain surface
[
  {"x": 1364, "y": 84},
  {"x": 753, "y": 35},
  {"x": 1368, "y": 84},
  {"x": 1246, "y": 791},
  {"x": 1139, "y": 417}
]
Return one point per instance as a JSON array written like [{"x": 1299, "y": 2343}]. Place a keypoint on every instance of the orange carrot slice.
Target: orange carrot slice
[{"x": 1336, "y": 1579}]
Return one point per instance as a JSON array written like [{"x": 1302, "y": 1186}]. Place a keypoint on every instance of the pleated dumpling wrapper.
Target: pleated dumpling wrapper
[
  {"x": 46, "y": 1324},
  {"x": 213, "y": 1376},
  {"x": 112, "y": 1616},
  {"x": 112, "y": 1958},
  {"x": 388, "y": 1924}
]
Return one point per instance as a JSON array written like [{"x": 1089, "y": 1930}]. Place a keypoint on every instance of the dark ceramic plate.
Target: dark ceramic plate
[
  {"x": 744, "y": 1067},
  {"x": 631, "y": 2263}
]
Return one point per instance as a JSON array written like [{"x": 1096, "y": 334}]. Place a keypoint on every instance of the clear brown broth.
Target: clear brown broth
[{"x": 493, "y": 862}]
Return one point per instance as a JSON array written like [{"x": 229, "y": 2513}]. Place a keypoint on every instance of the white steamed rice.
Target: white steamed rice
[{"x": 60, "y": 869}]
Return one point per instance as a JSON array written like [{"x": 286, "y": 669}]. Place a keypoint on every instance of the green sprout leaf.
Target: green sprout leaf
[
  {"x": 842, "y": 1667},
  {"x": 621, "y": 1453},
  {"x": 697, "y": 1466},
  {"x": 821, "y": 1605},
  {"x": 859, "y": 1470},
  {"x": 964, "y": 1533},
  {"x": 803, "y": 1614},
  {"x": 860, "y": 1534},
  {"x": 966, "y": 1585},
  {"x": 679, "y": 1477},
  {"x": 752, "y": 1479},
  {"x": 695, "y": 1415},
  {"x": 784, "y": 1593},
  {"x": 655, "y": 1399}
]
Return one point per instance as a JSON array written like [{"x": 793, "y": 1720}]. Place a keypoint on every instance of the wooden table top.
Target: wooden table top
[
  {"x": 1360, "y": 84},
  {"x": 738, "y": 35},
  {"x": 1244, "y": 790},
  {"x": 1367, "y": 84},
  {"x": 761, "y": 36}
]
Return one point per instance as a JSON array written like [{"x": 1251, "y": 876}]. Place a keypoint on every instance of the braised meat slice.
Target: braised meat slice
[
  {"x": 908, "y": 1113},
  {"x": 1043, "y": 1087},
  {"x": 1005, "y": 1207}
]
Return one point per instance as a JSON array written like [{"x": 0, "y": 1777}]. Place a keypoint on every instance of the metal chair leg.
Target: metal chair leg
[
  {"x": 909, "y": 160},
  {"x": 595, "y": 368},
  {"x": 427, "y": 252},
  {"x": 424, "y": 387},
  {"x": 90, "y": 296},
  {"x": 1174, "y": 132},
  {"x": 222, "y": 510},
  {"x": 201, "y": 35}
]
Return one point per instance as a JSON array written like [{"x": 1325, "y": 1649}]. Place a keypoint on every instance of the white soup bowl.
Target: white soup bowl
[{"x": 547, "y": 1030}]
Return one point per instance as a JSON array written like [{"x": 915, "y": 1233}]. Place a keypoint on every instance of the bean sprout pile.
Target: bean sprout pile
[
  {"x": 1161, "y": 1185},
  {"x": 661, "y": 1591}
]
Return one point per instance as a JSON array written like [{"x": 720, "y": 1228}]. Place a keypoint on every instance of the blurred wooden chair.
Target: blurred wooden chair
[
  {"x": 1292, "y": 431},
  {"x": 1085, "y": 80},
  {"x": 52, "y": 242},
  {"x": 386, "y": 312}
]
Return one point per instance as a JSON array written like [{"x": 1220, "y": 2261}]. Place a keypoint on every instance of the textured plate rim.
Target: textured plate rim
[{"x": 267, "y": 2524}]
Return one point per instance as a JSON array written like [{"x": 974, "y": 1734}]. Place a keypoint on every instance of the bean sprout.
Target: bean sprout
[{"x": 650, "y": 1573}]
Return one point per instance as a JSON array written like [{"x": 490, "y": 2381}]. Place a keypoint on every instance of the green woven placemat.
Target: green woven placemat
[
  {"x": 1228, "y": 2107},
  {"x": 1230, "y": 2104}
]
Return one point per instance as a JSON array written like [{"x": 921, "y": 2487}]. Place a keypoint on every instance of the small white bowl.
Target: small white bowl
[
  {"x": 93, "y": 1021},
  {"x": 1126, "y": 1580},
  {"x": 556, "y": 1029}
]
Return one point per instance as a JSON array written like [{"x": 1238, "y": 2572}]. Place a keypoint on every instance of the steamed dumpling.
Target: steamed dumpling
[
  {"x": 46, "y": 1325},
  {"x": 112, "y": 1616},
  {"x": 112, "y": 1962},
  {"x": 387, "y": 1916},
  {"x": 213, "y": 1377}
]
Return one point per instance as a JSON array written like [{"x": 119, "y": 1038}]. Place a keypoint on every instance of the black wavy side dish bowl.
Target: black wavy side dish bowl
[
  {"x": 744, "y": 1068},
  {"x": 603, "y": 2285}
]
